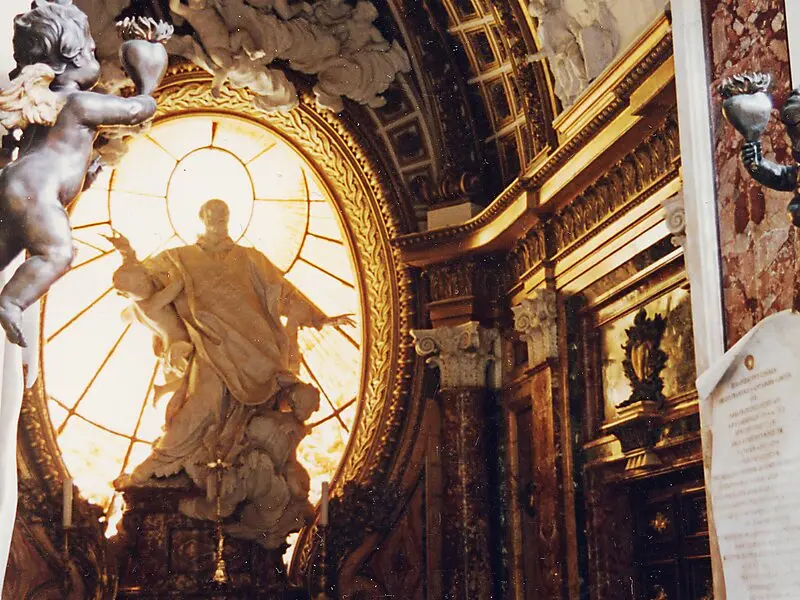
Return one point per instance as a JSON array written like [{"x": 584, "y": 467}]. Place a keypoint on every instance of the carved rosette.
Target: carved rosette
[
  {"x": 536, "y": 319},
  {"x": 675, "y": 219},
  {"x": 463, "y": 354}
]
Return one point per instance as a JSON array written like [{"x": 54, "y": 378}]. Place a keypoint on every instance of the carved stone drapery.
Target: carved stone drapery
[
  {"x": 463, "y": 353},
  {"x": 675, "y": 219},
  {"x": 535, "y": 318}
]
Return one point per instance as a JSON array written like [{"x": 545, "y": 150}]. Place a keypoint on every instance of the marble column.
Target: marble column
[{"x": 467, "y": 359}]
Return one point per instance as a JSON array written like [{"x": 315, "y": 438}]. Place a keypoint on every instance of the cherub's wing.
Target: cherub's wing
[{"x": 28, "y": 99}]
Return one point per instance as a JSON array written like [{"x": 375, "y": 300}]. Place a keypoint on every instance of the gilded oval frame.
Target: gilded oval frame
[{"x": 371, "y": 217}]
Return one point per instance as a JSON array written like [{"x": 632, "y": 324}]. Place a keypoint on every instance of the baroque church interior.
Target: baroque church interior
[{"x": 441, "y": 336}]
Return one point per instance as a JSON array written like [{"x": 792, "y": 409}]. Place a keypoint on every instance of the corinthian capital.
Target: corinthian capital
[
  {"x": 462, "y": 353},
  {"x": 535, "y": 318}
]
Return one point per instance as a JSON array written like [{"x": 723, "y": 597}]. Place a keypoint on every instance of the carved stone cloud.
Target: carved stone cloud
[{"x": 238, "y": 42}]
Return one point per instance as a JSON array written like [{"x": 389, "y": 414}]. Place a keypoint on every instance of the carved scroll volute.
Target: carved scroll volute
[
  {"x": 536, "y": 319},
  {"x": 675, "y": 219},
  {"x": 462, "y": 353}
]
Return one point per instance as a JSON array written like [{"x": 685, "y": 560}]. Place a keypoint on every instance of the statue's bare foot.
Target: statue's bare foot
[{"x": 11, "y": 320}]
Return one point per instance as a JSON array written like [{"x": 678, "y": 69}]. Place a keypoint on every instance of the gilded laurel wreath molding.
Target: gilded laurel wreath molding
[{"x": 371, "y": 217}]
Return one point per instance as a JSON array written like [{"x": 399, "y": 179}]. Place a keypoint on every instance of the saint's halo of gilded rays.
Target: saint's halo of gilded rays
[{"x": 100, "y": 371}]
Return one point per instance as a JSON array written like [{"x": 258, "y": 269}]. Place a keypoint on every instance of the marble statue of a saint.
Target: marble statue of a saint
[{"x": 225, "y": 325}]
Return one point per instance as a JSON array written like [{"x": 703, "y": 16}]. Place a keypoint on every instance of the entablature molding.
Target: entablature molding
[{"x": 632, "y": 97}]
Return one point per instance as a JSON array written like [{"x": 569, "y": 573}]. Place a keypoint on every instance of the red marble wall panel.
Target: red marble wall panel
[{"x": 758, "y": 245}]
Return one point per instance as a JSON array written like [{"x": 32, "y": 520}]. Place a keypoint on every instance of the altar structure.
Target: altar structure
[{"x": 482, "y": 257}]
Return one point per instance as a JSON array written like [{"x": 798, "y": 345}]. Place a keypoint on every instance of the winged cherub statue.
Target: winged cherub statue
[{"x": 50, "y": 98}]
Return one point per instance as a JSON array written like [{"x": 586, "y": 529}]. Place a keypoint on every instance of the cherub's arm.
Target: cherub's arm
[
  {"x": 163, "y": 297},
  {"x": 95, "y": 110},
  {"x": 778, "y": 177}
]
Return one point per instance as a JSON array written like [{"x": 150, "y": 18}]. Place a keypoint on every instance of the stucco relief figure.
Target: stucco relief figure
[
  {"x": 49, "y": 98},
  {"x": 748, "y": 107},
  {"x": 225, "y": 324},
  {"x": 579, "y": 39}
]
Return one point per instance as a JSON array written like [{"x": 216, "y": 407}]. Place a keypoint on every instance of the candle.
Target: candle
[
  {"x": 67, "y": 512},
  {"x": 323, "y": 505}
]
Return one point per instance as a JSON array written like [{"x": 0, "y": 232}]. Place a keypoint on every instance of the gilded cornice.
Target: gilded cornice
[
  {"x": 489, "y": 224},
  {"x": 650, "y": 166},
  {"x": 427, "y": 239}
]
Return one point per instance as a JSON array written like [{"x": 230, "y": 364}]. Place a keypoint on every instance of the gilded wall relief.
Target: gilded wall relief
[{"x": 676, "y": 342}]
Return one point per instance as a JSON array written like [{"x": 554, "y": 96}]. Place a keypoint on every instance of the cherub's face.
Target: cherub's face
[
  {"x": 365, "y": 12},
  {"x": 134, "y": 284},
  {"x": 84, "y": 69}
]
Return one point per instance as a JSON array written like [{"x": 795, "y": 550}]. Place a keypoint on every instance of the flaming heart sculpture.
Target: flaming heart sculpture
[
  {"x": 746, "y": 104},
  {"x": 142, "y": 53}
]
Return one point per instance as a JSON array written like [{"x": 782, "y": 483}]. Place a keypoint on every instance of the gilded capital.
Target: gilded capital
[
  {"x": 462, "y": 353},
  {"x": 536, "y": 319}
]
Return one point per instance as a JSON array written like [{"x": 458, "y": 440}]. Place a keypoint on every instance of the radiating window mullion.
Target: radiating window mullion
[
  {"x": 91, "y": 260},
  {"x": 167, "y": 152},
  {"x": 263, "y": 151},
  {"x": 88, "y": 225},
  {"x": 325, "y": 238},
  {"x": 139, "y": 419},
  {"x": 355, "y": 344},
  {"x": 97, "y": 374},
  {"x": 324, "y": 393},
  {"x": 328, "y": 273},
  {"x": 335, "y": 414},
  {"x": 82, "y": 312}
]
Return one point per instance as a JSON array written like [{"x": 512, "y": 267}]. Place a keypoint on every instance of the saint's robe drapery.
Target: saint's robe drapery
[{"x": 244, "y": 359}]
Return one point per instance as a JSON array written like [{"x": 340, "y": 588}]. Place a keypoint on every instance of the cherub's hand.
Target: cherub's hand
[
  {"x": 340, "y": 321},
  {"x": 751, "y": 155},
  {"x": 123, "y": 246}
]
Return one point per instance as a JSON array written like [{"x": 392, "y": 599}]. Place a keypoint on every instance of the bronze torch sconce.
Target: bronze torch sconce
[{"x": 747, "y": 106}]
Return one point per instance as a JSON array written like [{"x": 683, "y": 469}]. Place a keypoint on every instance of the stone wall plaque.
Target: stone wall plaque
[{"x": 750, "y": 409}]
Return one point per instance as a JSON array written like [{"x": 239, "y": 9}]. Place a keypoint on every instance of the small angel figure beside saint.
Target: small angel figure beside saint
[{"x": 49, "y": 97}]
